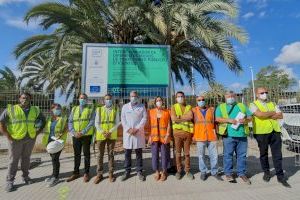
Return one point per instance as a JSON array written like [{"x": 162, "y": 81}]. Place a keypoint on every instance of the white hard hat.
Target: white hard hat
[{"x": 55, "y": 146}]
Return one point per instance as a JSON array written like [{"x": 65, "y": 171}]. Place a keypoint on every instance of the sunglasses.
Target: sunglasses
[{"x": 263, "y": 93}]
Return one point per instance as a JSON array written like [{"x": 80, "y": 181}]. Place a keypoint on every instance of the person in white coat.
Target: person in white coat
[{"x": 133, "y": 118}]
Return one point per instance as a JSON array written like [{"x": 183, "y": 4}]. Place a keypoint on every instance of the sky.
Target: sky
[{"x": 273, "y": 27}]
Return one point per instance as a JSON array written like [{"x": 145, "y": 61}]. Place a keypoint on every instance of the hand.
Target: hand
[
  {"x": 149, "y": 141},
  {"x": 130, "y": 131},
  {"x": 166, "y": 139},
  {"x": 275, "y": 116},
  {"x": 134, "y": 131},
  {"x": 242, "y": 121},
  {"x": 232, "y": 121},
  {"x": 107, "y": 134},
  {"x": 78, "y": 134}
]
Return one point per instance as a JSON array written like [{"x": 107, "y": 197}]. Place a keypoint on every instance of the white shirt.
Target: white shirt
[
  {"x": 98, "y": 119},
  {"x": 133, "y": 117}
]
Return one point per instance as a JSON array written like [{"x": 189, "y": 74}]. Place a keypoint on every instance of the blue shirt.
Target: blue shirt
[
  {"x": 52, "y": 128},
  {"x": 231, "y": 132}
]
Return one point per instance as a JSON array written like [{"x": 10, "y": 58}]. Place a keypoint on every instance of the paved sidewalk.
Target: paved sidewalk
[{"x": 150, "y": 189}]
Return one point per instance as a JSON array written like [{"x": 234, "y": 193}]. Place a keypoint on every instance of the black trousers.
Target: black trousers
[
  {"x": 139, "y": 160},
  {"x": 274, "y": 141},
  {"x": 80, "y": 144},
  {"x": 55, "y": 164}
]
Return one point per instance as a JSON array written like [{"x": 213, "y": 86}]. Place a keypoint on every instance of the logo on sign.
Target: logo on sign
[{"x": 95, "y": 89}]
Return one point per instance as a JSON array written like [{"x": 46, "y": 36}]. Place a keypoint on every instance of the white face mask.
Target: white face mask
[
  {"x": 134, "y": 100},
  {"x": 179, "y": 100},
  {"x": 263, "y": 96},
  {"x": 158, "y": 104},
  {"x": 230, "y": 100},
  {"x": 108, "y": 102}
]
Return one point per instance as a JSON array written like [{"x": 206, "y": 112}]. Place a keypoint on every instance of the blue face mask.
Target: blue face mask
[
  {"x": 230, "y": 100},
  {"x": 201, "y": 103},
  {"x": 82, "y": 102},
  {"x": 56, "y": 112},
  {"x": 108, "y": 103}
]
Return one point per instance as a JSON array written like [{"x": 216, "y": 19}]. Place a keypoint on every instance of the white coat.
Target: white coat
[{"x": 133, "y": 117}]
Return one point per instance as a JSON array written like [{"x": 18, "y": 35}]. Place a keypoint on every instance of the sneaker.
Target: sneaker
[
  {"x": 245, "y": 179},
  {"x": 178, "y": 175},
  {"x": 47, "y": 179},
  {"x": 203, "y": 176},
  {"x": 163, "y": 176},
  {"x": 9, "y": 187},
  {"x": 98, "y": 179},
  {"x": 141, "y": 176},
  {"x": 218, "y": 177},
  {"x": 73, "y": 177},
  {"x": 86, "y": 178},
  {"x": 284, "y": 182},
  {"x": 27, "y": 181},
  {"x": 230, "y": 179},
  {"x": 189, "y": 175},
  {"x": 53, "y": 182},
  {"x": 267, "y": 176},
  {"x": 125, "y": 176}
]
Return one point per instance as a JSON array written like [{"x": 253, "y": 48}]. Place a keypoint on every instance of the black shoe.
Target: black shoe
[
  {"x": 267, "y": 176},
  {"x": 125, "y": 176},
  {"x": 218, "y": 177},
  {"x": 9, "y": 187},
  {"x": 141, "y": 176},
  {"x": 203, "y": 176},
  {"x": 284, "y": 182},
  {"x": 27, "y": 181}
]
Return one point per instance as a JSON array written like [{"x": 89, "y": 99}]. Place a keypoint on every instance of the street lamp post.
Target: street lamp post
[{"x": 253, "y": 87}]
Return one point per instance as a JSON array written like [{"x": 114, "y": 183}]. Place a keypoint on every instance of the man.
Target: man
[
  {"x": 233, "y": 121},
  {"x": 267, "y": 133},
  {"x": 133, "y": 118},
  {"x": 107, "y": 122},
  {"x": 205, "y": 136},
  {"x": 181, "y": 115},
  {"x": 81, "y": 122},
  {"x": 20, "y": 123}
]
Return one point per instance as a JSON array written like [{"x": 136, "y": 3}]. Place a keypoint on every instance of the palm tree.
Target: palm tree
[
  {"x": 9, "y": 81},
  {"x": 194, "y": 29}
]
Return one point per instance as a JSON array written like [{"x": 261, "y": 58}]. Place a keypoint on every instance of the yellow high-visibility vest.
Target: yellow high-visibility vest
[
  {"x": 185, "y": 126},
  {"x": 59, "y": 129},
  {"x": 18, "y": 124},
  {"x": 80, "y": 121},
  {"x": 265, "y": 126},
  {"x": 107, "y": 123}
]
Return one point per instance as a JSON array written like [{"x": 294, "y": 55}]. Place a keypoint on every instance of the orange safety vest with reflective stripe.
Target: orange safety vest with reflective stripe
[
  {"x": 159, "y": 135},
  {"x": 204, "y": 127}
]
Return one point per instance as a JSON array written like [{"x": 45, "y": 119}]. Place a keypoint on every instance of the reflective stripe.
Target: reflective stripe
[{"x": 204, "y": 122}]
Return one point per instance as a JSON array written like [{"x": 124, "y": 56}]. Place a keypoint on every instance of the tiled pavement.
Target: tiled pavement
[{"x": 150, "y": 189}]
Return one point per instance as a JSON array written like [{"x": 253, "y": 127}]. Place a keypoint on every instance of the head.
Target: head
[
  {"x": 262, "y": 93},
  {"x": 230, "y": 97},
  {"x": 134, "y": 97},
  {"x": 201, "y": 101},
  {"x": 158, "y": 102},
  {"x": 108, "y": 100},
  {"x": 82, "y": 99},
  {"x": 180, "y": 97},
  {"x": 56, "y": 110},
  {"x": 24, "y": 99}
]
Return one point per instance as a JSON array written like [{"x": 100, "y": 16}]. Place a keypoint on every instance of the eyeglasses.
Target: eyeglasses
[
  {"x": 200, "y": 100},
  {"x": 263, "y": 93}
]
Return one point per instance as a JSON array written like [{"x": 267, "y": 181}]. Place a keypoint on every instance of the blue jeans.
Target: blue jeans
[
  {"x": 238, "y": 145},
  {"x": 213, "y": 156}
]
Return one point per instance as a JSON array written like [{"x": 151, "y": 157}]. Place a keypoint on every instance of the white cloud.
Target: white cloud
[
  {"x": 259, "y": 3},
  {"x": 271, "y": 48},
  {"x": 248, "y": 15},
  {"x": 262, "y": 14},
  {"x": 288, "y": 70},
  {"x": 19, "y": 23},
  {"x": 290, "y": 54},
  {"x": 237, "y": 86}
]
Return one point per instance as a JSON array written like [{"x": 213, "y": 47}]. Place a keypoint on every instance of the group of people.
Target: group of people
[{"x": 21, "y": 123}]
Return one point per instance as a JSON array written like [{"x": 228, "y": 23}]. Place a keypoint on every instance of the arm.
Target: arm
[
  {"x": 3, "y": 129},
  {"x": 174, "y": 116},
  {"x": 143, "y": 121},
  {"x": 117, "y": 123},
  {"x": 42, "y": 120},
  {"x": 220, "y": 119},
  {"x": 124, "y": 122},
  {"x": 90, "y": 124},
  {"x": 70, "y": 125},
  {"x": 187, "y": 116},
  {"x": 259, "y": 114}
]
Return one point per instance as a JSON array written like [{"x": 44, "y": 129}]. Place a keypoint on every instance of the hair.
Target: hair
[
  {"x": 25, "y": 93},
  {"x": 179, "y": 92},
  {"x": 256, "y": 89},
  {"x": 55, "y": 105},
  {"x": 157, "y": 98},
  {"x": 135, "y": 92},
  {"x": 108, "y": 95},
  {"x": 84, "y": 94},
  {"x": 229, "y": 92}
]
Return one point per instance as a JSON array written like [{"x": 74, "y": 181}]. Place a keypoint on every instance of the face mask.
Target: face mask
[
  {"x": 158, "y": 103},
  {"x": 201, "y": 103},
  {"x": 230, "y": 100},
  {"x": 56, "y": 112},
  {"x": 134, "y": 100},
  {"x": 263, "y": 96},
  {"x": 179, "y": 100},
  {"x": 108, "y": 103},
  {"x": 82, "y": 102}
]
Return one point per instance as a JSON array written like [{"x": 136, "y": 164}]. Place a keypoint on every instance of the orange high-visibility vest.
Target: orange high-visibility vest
[
  {"x": 204, "y": 127},
  {"x": 163, "y": 124}
]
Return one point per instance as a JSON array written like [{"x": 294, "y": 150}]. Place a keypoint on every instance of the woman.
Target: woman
[
  {"x": 160, "y": 138},
  {"x": 56, "y": 126}
]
